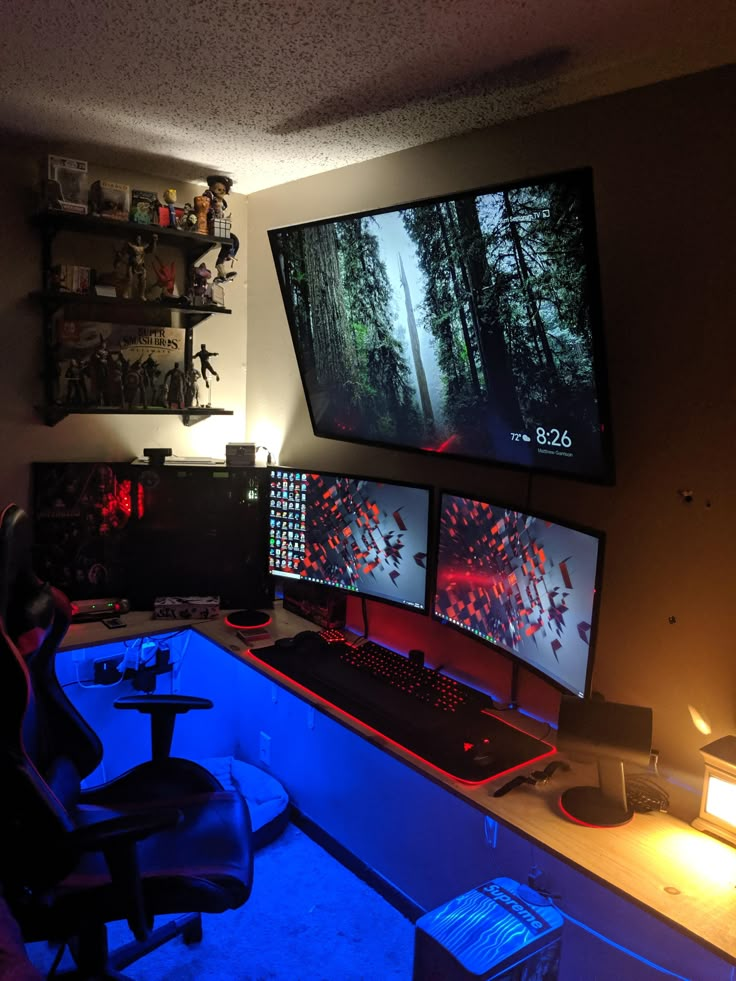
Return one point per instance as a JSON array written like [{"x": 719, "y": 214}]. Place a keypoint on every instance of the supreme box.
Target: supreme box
[
  {"x": 186, "y": 607},
  {"x": 500, "y": 931}
]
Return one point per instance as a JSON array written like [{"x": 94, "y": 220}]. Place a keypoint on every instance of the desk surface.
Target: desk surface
[{"x": 680, "y": 875}]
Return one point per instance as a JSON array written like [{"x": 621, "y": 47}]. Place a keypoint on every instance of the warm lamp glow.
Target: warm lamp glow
[
  {"x": 718, "y": 803},
  {"x": 266, "y": 433},
  {"x": 720, "y": 798},
  {"x": 699, "y": 721}
]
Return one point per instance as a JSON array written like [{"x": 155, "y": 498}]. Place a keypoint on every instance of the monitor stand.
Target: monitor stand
[
  {"x": 247, "y": 619},
  {"x": 604, "y": 806}
]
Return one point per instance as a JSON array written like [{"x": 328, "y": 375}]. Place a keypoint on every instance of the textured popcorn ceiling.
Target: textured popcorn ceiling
[{"x": 273, "y": 90}]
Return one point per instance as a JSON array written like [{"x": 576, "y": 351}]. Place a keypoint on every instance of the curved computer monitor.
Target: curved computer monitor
[
  {"x": 608, "y": 734},
  {"x": 522, "y": 583},
  {"x": 357, "y": 534}
]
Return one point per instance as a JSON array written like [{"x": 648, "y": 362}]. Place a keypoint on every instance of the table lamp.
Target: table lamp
[{"x": 718, "y": 804}]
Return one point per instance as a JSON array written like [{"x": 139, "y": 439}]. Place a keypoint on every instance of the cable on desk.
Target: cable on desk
[
  {"x": 625, "y": 950},
  {"x": 645, "y": 795}
]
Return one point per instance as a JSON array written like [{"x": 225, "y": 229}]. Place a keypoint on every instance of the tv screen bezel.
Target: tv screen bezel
[
  {"x": 359, "y": 594},
  {"x": 583, "y": 176},
  {"x": 517, "y": 660}
]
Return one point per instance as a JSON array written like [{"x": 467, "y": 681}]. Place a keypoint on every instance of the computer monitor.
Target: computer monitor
[
  {"x": 468, "y": 325},
  {"x": 608, "y": 734},
  {"x": 357, "y": 534},
  {"x": 523, "y": 583}
]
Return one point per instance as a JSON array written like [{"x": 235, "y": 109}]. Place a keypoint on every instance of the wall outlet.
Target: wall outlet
[
  {"x": 264, "y": 748},
  {"x": 107, "y": 670},
  {"x": 490, "y": 828}
]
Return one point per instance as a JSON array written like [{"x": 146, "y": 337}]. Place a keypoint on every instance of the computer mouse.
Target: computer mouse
[
  {"x": 305, "y": 640},
  {"x": 310, "y": 640}
]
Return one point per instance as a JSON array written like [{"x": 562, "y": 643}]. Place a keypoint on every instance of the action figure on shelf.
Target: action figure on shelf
[
  {"x": 135, "y": 385},
  {"x": 204, "y": 361},
  {"x": 151, "y": 373},
  {"x": 227, "y": 252},
  {"x": 217, "y": 187},
  {"x": 187, "y": 220},
  {"x": 170, "y": 202},
  {"x": 174, "y": 387},
  {"x": 200, "y": 292},
  {"x": 99, "y": 369},
  {"x": 137, "y": 265},
  {"x": 165, "y": 278},
  {"x": 76, "y": 386},
  {"x": 191, "y": 387},
  {"x": 116, "y": 378}
]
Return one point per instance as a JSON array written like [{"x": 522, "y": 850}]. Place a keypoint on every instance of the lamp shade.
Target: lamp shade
[{"x": 718, "y": 803}]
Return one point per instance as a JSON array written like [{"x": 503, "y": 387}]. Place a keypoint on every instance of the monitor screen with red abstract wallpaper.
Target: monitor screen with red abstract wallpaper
[
  {"x": 357, "y": 534},
  {"x": 525, "y": 584}
]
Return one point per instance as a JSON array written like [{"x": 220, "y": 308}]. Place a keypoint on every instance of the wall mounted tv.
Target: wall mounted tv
[
  {"x": 468, "y": 325},
  {"x": 364, "y": 536},
  {"x": 523, "y": 583}
]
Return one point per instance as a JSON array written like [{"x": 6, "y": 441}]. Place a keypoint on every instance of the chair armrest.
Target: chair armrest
[
  {"x": 97, "y": 833},
  {"x": 116, "y": 837},
  {"x": 163, "y": 710},
  {"x": 149, "y": 704}
]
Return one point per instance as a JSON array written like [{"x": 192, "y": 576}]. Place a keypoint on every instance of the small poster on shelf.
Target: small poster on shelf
[
  {"x": 110, "y": 199},
  {"x": 118, "y": 365}
]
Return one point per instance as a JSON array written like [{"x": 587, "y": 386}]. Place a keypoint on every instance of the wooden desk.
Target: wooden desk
[{"x": 683, "y": 878}]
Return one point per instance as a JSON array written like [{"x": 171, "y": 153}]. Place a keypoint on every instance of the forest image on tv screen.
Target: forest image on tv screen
[
  {"x": 468, "y": 325},
  {"x": 520, "y": 582},
  {"x": 364, "y": 536}
]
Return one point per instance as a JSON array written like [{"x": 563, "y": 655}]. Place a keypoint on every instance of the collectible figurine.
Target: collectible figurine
[
  {"x": 201, "y": 210},
  {"x": 174, "y": 386},
  {"x": 170, "y": 202},
  {"x": 137, "y": 265},
  {"x": 151, "y": 372},
  {"x": 217, "y": 187},
  {"x": 76, "y": 388},
  {"x": 188, "y": 220},
  {"x": 116, "y": 381},
  {"x": 165, "y": 278},
  {"x": 136, "y": 392},
  {"x": 99, "y": 370},
  {"x": 228, "y": 251},
  {"x": 200, "y": 292},
  {"x": 191, "y": 387},
  {"x": 204, "y": 361}
]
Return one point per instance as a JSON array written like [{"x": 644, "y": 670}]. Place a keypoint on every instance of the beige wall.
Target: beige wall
[
  {"x": 23, "y": 437},
  {"x": 662, "y": 160}
]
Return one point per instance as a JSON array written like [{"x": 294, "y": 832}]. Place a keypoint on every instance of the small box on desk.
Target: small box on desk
[
  {"x": 322, "y": 606},
  {"x": 240, "y": 454},
  {"x": 186, "y": 607},
  {"x": 497, "y": 932}
]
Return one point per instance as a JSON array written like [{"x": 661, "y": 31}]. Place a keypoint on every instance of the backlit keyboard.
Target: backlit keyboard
[
  {"x": 443, "y": 721},
  {"x": 418, "y": 682}
]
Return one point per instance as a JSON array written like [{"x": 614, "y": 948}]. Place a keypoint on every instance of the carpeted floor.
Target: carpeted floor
[{"x": 308, "y": 919}]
